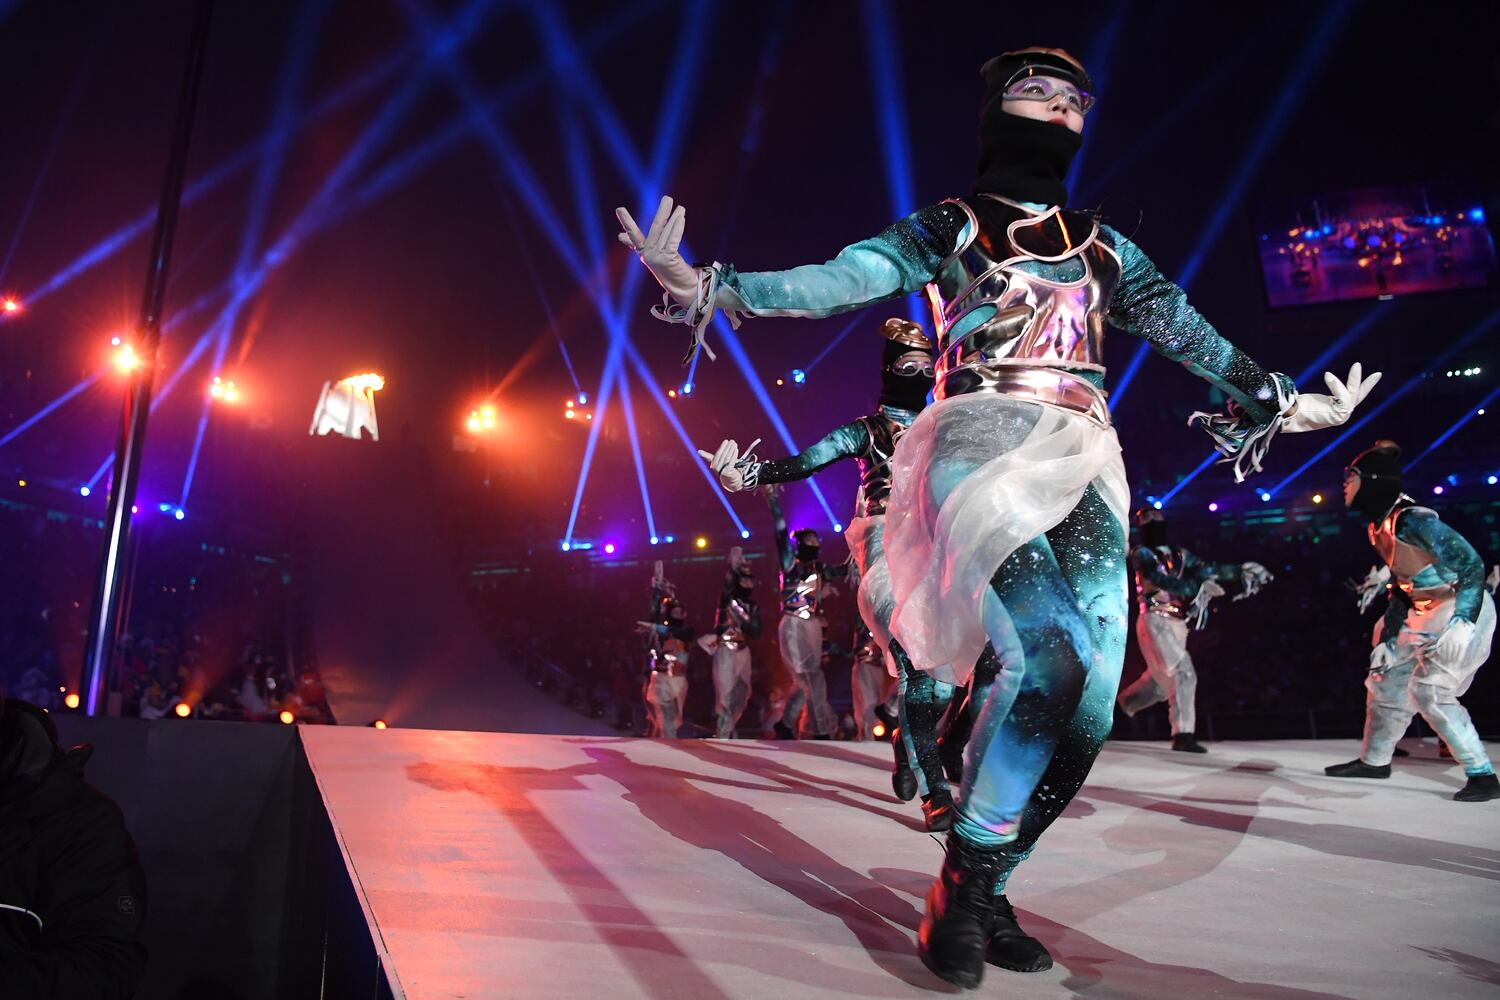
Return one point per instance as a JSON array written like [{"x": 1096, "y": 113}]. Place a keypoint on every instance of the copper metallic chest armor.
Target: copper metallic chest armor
[
  {"x": 875, "y": 464},
  {"x": 734, "y": 615},
  {"x": 1044, "y": 325},
  {"x": 801, "y": 589},
  {"x": 1404, "y": 559}
]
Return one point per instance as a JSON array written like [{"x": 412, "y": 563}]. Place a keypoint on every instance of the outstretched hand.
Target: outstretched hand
[
  {"x": 658, "y": 248},
  {"x": 728, "y": 463},
  {"x": 1316, "y": 411}
]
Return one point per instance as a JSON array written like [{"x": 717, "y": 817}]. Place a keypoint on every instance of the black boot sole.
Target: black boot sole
[{"x": 1042, "y": 964}]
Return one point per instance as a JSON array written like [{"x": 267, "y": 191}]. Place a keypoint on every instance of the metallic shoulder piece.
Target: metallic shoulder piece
[{"x": 904, "y": 331}]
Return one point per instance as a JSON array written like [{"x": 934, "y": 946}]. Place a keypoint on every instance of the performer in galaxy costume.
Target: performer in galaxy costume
[
  {"x": 736, "y": 623},
  {"x": 803, "y": 579},
  {"x": 1436, "y": 631},
  {"x": 666, "y": 638},
  {"x": 906, "y": 378},
  {"x": 1006, "y": 520},
  {"x": 1174, "y": 588}
]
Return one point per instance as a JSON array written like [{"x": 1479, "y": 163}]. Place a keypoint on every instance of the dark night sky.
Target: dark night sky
[{"x": 429, "y": 279}]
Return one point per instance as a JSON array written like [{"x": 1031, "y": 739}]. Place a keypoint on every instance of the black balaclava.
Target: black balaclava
[
  {"x": 808, "y": 545},
  {"x": 744, "y": 583},
  {"x": 903, "y": 392},
  {"x": 1152, "y": 525},
  {"x": 1379, "y": 470},
  {"x": 1022, "y": 158}
]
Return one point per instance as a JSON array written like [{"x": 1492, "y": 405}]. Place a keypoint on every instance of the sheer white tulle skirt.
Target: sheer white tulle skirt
[{"x": 975, "y": 478}]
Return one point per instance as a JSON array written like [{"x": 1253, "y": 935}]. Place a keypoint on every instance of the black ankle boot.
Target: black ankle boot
[
  {"x": 1357, "y": 768},
  {"x": 1479, "y": 788},
  {"x": 1187, "y": 743},
  {"x": 903, "y": 778},
  {"x": 1012, "y": 948},
  {"x": 960, "y": 913},
  {"x": 937, "y": 811}
]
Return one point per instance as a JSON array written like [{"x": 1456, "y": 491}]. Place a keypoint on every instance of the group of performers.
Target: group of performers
[{"x": 990, "y": 536}]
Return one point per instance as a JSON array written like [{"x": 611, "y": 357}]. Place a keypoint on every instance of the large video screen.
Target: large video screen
[{"x": 1374, "y": 243}]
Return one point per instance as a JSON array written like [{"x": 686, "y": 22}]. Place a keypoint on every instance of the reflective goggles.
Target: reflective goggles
[
  {"x": 1045, "y": 88},
  {"x": 913, "y": 365}
]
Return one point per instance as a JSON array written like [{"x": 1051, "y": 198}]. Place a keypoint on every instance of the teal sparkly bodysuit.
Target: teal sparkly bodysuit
[{"x": 1022, "y": 297}]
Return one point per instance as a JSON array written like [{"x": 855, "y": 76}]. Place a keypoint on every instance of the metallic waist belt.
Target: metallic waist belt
[{"x": 1052, "y": 386}]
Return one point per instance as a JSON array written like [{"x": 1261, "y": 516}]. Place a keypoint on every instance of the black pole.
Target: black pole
[{"x": 109, "y": 591}]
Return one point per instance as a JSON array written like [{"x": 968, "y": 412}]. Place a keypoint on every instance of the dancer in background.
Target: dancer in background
[
  {"x": 1436, "y": 631},
  {"x": 906, "y": 376},
  {"x": 803, "y": 578},
  {"x": 666, "y": 635},
  {"x": 1006, "y": 521},
  {"x": 1174, "y": 588},
  {"x": 736, "y": 623}
]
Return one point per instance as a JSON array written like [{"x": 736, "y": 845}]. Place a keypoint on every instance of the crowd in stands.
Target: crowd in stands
[{"x": 208, "y": 631}]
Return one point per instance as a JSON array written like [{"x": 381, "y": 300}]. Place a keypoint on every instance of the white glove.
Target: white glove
[
  {"x": 1380, "y": 657},
  {"x": 735, "y": 471},
  {"x": 1253, "y": 576},
  {"x": 1455, "y": 640},
  {"x": 1374, "y": 582},
  {"x": 658, "y": 250},
  {"x": 1212, "y": 588},
  {"x": 1316, "y": 411}
]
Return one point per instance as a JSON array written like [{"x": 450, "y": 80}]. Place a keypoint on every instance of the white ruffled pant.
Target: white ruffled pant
[
  {"x": 1169, "y": 675},
  {"x": 1419, "y": 679}
]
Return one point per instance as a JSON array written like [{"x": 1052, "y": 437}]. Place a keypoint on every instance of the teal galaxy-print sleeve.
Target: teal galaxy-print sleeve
[
  {"x": 1150, "y": 306},
  {"x": 847, "y": 441},
  {"x": 1149, "y": 567},
  {"x": 786, "y": 556},
  {"x": 1456, "y": 558},
  {"x": 1202, "y": 569},
  {"x": 898, "y": 261}
]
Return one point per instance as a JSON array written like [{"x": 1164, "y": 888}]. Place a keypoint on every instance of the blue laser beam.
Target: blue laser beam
[
  {"x": 1291, "y": 95},
  {"x": 742, "y": 359},
  {"x": 884, "y": 64},
  {"x": 665, "y": 406},
  {"x": 828, "y": 347},
  {"x": 1371, "y": 413},
  {"x": 1373, "y": 315},
  {"x": 49, "y": 409},
  {"x": 635, "y": 450},
  {"x": 1455, "y": 427},
  {"x": 1099, "y": 62}
]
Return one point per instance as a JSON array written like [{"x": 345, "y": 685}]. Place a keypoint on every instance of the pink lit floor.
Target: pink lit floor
[{"x": 496, "y": 865}]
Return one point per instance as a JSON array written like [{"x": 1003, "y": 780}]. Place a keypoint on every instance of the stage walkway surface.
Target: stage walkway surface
[{"x": 496, "y": 865}]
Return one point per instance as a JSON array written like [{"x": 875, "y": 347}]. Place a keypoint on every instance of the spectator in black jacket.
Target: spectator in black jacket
[{"x": 72, "y": 892}]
